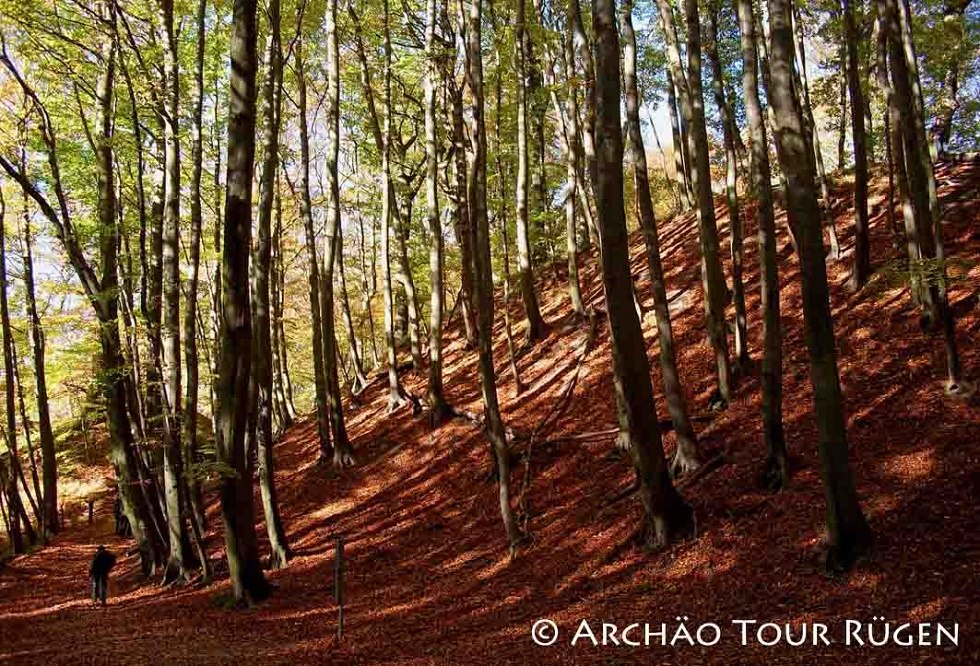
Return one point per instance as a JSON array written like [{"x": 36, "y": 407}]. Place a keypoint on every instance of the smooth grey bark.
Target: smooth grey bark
[
  {"x": 396, "y": 393},
  {"x": 666, "y": 515},
  {"x": 572, "y": 167},
  {"x": 776, "y": 473},
  {"x": 847, "y": 531},
  {"x": 682, "y": 172}
]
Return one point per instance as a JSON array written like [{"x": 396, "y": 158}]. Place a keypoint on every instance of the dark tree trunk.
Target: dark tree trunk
[
  {"x": 667, "y": 516},
  {"x": 237, "y": 506},
  {"x": 191, "y": 452},
  {"x": 848, "y": 533}
]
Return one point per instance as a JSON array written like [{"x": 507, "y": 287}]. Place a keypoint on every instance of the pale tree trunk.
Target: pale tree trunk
[
  {"x": 342, "y": 454},
  {"x": 480, "y": 229},
  {"x": 692, "y": 107},
  {"x": 438, "y": 409},
  {"x": 396, "y": 393},
  {"x": 282, "y": 387},
  {"x": 862, "y": 240},
  {"x": 173, "y": 473},
  {"x": 776, "y": 473},
  {"x": 572, "y": 170},
  {"x": 666, "y": 515},
  {"x": 313, "y": 270},
  {"x": 260, "y": 383},
  {"x": 730, "y": 133},
  {"x": 248, "y": 583},
  {"x": 502, "y": 218},
  {"x": 191, "y": 453},
  {"x": 360, "y": 379},
  {"x": 848, "y": 532},
  {"x": 687, "y": 456},
  {"x": 802, "y": 83},
  {"x": 535, "y": 324},
  {"x": 49, "y": 463},
  {"x": 682, "y": 173}
]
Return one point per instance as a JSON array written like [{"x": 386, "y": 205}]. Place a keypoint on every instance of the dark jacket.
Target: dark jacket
[{"x": 102, "y": 563}]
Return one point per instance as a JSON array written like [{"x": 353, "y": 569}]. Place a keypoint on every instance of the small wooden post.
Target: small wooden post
[
  {"x": 91, "y": 506},
  {"x": 338, "y": 584}
]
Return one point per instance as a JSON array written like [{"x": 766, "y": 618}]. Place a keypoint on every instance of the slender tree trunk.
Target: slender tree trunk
[
  {"x": 260, "y": 396},
  {"x": 342, "y": 454},
  {"x": 535, "y": 324},
  {"x": 730, "y": 132},
  {"x": 862, "y": 240},
  {"x": 480, "y": 229},
  {"x": 396, "y": 394},
  {"x": 18, "y": 514},
  {"x": 36, "y": 498},
  {"x": 666, "y": 515},
  {"x": 438, "y": 408},
  {"x": 682, "y": 172},
  {"x": 237, "y": 508},
  {"x": 572, "y": 168},
  {"x": 692, "y": 106},
  {"x": 191, "y": 452},
  {"x": 49, "y": 463},
  {"x": 313, "y": 271},
  {"x": 173, "y": 478},
  {"x": 687, "y": 456},
  {"x": 776, "y": 473},
  {"x": 848, "y": 532}
]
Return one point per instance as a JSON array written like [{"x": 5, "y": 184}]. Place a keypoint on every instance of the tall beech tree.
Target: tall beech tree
[
  {"x": 483, "y": 286},
  {"x": 667, "y": 516},
  {"x": 687, "y": 456},
  {"x": 20, "y": 522},
  {"x": 691, "y": 96},
  {"x": 49, "y": 462},
  {"x": 260, "y": 398},
  {"x": 862, "y": 241},
  {"x": 776, "y": 473},
  {"x": 248, "y": 583},
  {"x": 847, "y": 531}
]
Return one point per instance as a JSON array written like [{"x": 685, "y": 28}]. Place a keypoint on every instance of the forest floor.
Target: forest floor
[{"x": 428, "y": 578}]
